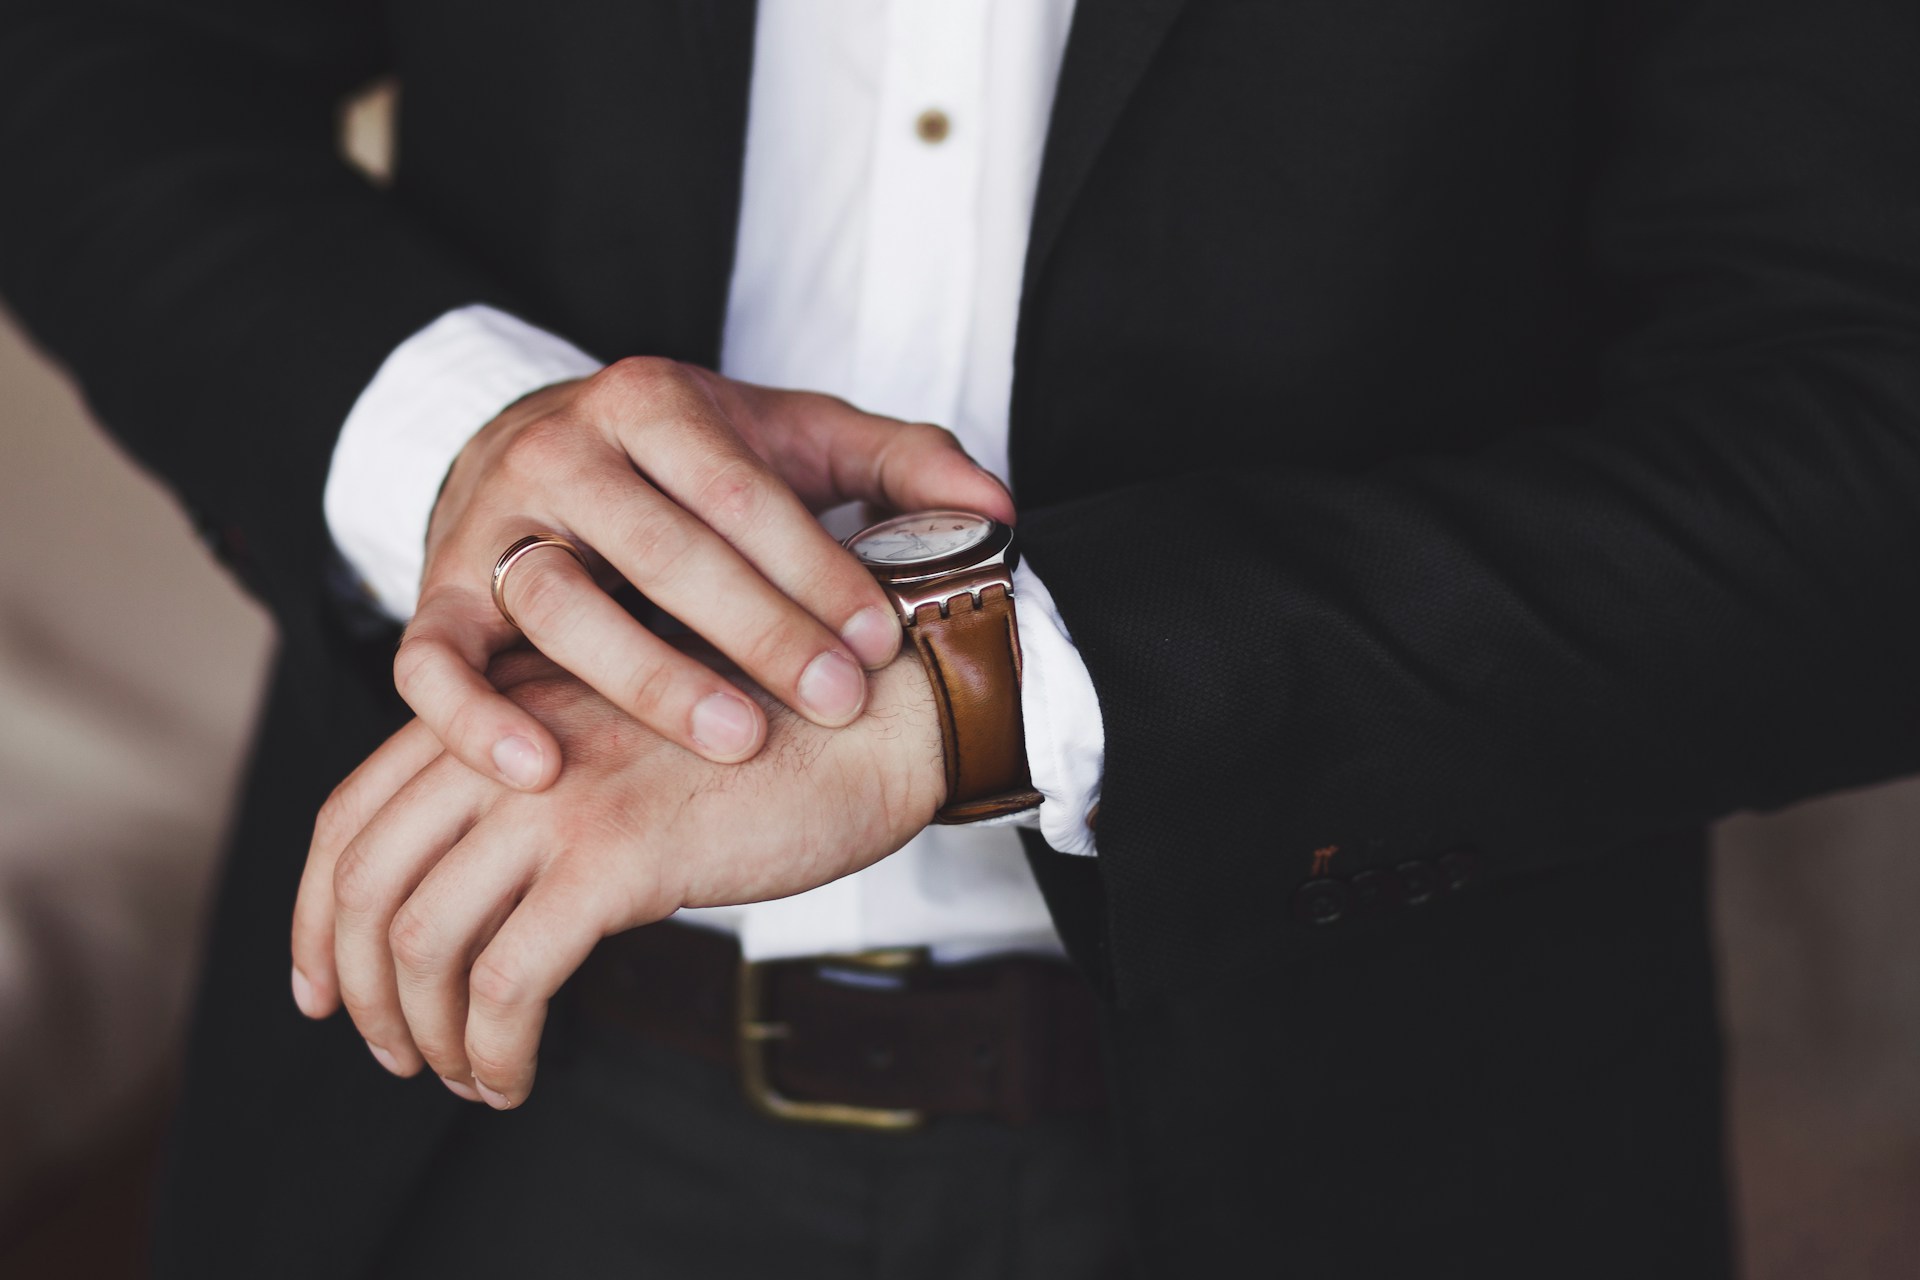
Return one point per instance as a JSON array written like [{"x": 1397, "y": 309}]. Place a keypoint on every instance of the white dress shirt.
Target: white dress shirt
[{"x": 893, "y": 148}]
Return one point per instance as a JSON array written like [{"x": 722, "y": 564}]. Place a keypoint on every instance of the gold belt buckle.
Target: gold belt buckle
[{"x": 755, "y": 1031}]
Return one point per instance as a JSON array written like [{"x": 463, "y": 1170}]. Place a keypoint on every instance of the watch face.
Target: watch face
[{"x": 924, "y": 536}]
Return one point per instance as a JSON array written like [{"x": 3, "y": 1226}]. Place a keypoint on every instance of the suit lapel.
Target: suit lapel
[
  {"x": 718, "y": 35},
  {"x": 1109, "y": 48}
]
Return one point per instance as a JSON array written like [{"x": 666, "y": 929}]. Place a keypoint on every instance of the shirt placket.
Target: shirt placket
[{"x": 916, "y": 298}]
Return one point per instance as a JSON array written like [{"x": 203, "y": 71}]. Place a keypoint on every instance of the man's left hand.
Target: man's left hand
[{"x": 445, "y": 909}]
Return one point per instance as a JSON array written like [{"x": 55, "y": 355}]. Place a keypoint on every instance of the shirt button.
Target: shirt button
[{"x": 932, "y": 126}]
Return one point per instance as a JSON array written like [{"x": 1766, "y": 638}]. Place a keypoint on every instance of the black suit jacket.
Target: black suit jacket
[{"x": 1472, "y": 442}]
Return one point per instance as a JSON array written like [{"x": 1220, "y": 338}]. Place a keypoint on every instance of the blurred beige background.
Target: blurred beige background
[
  {"x": 129, "y": 670},
  {"x": 130, "y": 667}
]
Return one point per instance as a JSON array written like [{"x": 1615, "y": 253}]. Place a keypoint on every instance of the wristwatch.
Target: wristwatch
[{"x": 950, "y": 576}]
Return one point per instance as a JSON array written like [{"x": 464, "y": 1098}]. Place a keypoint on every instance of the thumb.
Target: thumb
[
  {"x": 901, "y": 466},
  {"x": 912, "y": 467}
]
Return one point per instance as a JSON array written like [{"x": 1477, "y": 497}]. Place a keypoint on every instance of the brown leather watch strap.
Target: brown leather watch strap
[{"x": 972, "y": 656}]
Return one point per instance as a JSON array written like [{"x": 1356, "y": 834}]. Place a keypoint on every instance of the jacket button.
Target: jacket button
[
  {"x": 1321, "y": 902},
  {"x": 1459, "y": 867},
  {"x": 1418, "y": 881},
  {"x": 1376, "y": 891}
]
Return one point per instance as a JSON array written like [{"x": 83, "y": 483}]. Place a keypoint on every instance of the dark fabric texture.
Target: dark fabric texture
[
  {"x": 641, "y": 1162},
  {"x": 1481, "y": 430}
]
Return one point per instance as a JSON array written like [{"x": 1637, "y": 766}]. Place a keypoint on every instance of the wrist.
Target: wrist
[
  {"x": 949, "y": 573},
  {"x": 892, "y": 757},
  {"x": 902, "y": 722}
]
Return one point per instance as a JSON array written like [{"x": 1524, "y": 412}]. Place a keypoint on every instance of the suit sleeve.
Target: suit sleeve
[
  {"x": 1702, "y": 597},
  {"x": 179, "y": 230}
]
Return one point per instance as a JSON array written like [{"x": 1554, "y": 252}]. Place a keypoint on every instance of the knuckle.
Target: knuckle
[
  {"x": 650, "y": 690},
  {"x": 497, "y": 984},
  {"x": 929, "y": 436},
  {"x": 333, "y": 826},
  {"x": 656, "y": 539},
  {"x": 414, "y": 942},
  {"x": 535, "y": 449},
  {"x": 639, "y": 372},
  {"x": 779, "y": 648},
  {"x": 356, "y": 1007},
  {"x": 490, "y": 1063},
  {"x": 736, "y": 496},
  {"x": 634, "y": 381},
  {"x": 467, "y": 729},
  {"x": 670, "y": 397},
  {"x": 443, "y": 1058},
  {"x": 411, "y": 662},
  {"x": 834, "y": 586},
  {"x": 828, "y": 402},
  {"x": 356, "y": 884},
  {"x": 366, "y": 1015},
  {"x": 896, "y": 453}
]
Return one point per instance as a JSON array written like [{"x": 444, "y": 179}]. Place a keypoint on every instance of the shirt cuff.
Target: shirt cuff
[
  {"x": 429, "y": 398},
  {"x": 1066, "y": 741}
]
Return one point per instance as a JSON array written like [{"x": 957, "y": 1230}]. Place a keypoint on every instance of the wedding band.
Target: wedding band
[{"x": 511, "y": 556}]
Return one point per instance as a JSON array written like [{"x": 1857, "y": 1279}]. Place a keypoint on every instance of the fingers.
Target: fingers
[
  {"x": 701, "y": 463},
  {"x": 546, "y": 938},
  {"x": 455, "y": 911},
  {"x": 439, "y": 670},
  {"x": 690, "y": 571},
  {"x": 347, "y": 811},
  {"x": 707, "y": 529},
  {"x": 376, "y": 873},
  {"x": 573, "y": 622}
]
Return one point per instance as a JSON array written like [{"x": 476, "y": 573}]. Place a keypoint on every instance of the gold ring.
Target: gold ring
[{"x": 511, "y": 556}]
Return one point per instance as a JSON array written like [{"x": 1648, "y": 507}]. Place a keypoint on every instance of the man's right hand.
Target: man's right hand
[{"x": 701, "y": 492}]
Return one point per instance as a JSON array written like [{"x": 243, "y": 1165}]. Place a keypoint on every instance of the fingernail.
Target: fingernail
[
  {"x": 302, "y": 992},
  {"x": 498, "y": 1101},
  {"x": 833, "y": 688},
  {"x": 872, "y": 634},
  {"x": 723, "y": 724},
  {"x": 466, "y": 1091},
  {"x": 384, "y": 1058},
  {"x": 518, "y": 761}
]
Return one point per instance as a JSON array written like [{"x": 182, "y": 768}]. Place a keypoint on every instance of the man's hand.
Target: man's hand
[
  {"x": 699, "y": 491},
  {"x": 444, "y": 909}
]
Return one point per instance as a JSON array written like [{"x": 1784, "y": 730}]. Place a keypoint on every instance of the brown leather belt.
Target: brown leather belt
[{"x": 879, "y": 1039}]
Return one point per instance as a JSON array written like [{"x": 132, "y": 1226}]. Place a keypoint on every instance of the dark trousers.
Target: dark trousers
[{"x": 633, "y": 1161}]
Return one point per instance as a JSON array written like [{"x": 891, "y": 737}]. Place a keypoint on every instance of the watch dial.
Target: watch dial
[{"x": 928, "y": 535}]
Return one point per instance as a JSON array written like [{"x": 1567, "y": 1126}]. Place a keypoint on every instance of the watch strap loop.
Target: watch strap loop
[{"x": 971, "y": 650}]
